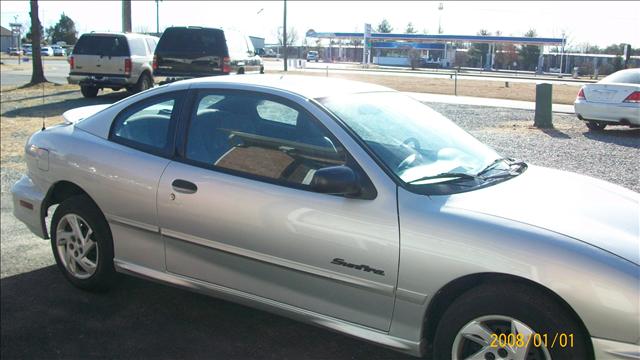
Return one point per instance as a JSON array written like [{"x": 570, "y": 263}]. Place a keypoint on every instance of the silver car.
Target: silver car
[
  {"x": 345, "y": 205},
  {"x": 614, "y": 100}
]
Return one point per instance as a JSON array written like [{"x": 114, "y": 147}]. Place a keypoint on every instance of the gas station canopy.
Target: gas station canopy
[{"x": 439, "y": 38}]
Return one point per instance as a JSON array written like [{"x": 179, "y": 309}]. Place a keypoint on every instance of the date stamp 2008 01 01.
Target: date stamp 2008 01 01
[{"x": 562, "y": 340}]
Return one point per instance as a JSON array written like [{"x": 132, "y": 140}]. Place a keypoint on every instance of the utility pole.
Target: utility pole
[
  {"x": 16, "y": 31},
  {"x": 284, "y": 35},
  {"x": 126, "y": 16},
  {"x": 158, "y": 17}
]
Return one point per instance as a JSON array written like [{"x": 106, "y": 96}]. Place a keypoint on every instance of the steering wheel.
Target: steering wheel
[
  {"x": 416, "y": 144},
  {"x": 412, "y": 158}
]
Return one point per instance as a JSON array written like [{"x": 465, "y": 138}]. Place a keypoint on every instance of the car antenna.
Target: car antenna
[{"x": 43, "y": 127}]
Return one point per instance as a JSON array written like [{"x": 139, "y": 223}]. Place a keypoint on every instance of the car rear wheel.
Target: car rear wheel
[
  {"x": 89, "y": 91},
  {"x": 261, "y": 69},
  {"x": 240, "y": 71},
  {"x": 145, "y": 82},
  {"x": 509, "y": 321},
  {"x": 82, "y": 244},
  {"x": 596, "y": 125}
]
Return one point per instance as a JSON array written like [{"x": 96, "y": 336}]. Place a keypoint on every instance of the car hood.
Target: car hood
[
  {"x": 593, "y": 211},
  {"x": 74, "y": 115}
]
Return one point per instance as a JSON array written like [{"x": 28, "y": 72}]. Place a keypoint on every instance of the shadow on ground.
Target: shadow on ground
[
  {"x": 44, "y": 317},
  {"x": 54, "y": 106},
  {"x": 622, "y": 136}
]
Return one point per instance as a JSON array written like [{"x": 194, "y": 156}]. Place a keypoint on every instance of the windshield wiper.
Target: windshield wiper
[
  {"x": 509, "y": 161},
  {"x": 453, "y": 175}
]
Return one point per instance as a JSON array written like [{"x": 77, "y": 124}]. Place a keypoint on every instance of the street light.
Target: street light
[
  {"x": 440, "y": 8},
  {"x": 284, "y": 35}
]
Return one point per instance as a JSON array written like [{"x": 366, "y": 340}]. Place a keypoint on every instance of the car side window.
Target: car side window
[
  {"x": 259, "y": 136},
  {"x": 137, "y": 47},
  {"x": 151, "y": 45},
  {"x": 146, "y": 126}
]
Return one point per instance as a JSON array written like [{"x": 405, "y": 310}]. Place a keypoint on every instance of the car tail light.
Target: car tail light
[
  {"x": 155, "y": 62},
  {"x": 72, "y": 62},
  {"x": 226, "y": 65},
  {"x": 633, "y": 98},
  {"x": 581, "y": 95},
  {"x": 127, "y": 66}
]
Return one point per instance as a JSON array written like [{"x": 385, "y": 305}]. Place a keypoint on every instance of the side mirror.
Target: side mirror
[{"x": 337, "y": 180}]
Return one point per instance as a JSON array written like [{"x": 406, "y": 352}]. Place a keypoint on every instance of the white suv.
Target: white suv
[{"x": 112, "y": 60}]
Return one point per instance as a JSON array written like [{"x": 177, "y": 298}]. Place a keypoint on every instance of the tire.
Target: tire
[
  {"x": 596, "y": 125},
  {"x": 145, "y": 82},
  {"x": 89, "y": 91},
  {"x": 99, "y": 276},
  {"x": 496, "y": 305},
  {"x": 241, "y": 71},
  {"x": 261, "y": 69}
]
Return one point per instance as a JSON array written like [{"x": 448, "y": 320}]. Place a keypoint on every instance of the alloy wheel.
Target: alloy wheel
[
  {"x": 477, "y": 340},
  {"x": 77, "y": 249}
]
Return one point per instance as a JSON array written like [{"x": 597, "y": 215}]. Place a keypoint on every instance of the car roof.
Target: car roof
[
  {"x": 311, "y": 87},
  {"x": 131, "y": 35}
]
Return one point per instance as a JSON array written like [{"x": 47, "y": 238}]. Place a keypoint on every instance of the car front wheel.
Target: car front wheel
[
  {"x": 509, "y": 321},
  {"x": 82, "y": 244}
]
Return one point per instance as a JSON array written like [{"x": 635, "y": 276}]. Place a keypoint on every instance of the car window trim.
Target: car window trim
[
  {"x": 182, "y": 132},
  {"x": 169, "y": 147}
]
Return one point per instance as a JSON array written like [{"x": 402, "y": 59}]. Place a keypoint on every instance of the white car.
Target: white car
[
  {"x": 614, "y": 100},
  {"x": 59, "y": 50},
  {"x": 46, "y": 51}
]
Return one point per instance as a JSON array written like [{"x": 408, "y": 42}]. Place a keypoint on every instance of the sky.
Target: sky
[{"x": 598, "y": 23}]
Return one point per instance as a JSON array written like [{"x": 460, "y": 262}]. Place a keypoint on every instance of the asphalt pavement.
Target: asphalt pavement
[{"x": 54, "y": 70}]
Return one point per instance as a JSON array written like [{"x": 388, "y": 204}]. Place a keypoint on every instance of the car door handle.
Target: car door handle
[{"x": 184, "y": 186}]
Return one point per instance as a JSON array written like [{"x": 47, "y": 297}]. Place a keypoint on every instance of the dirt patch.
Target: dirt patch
[
  {"x": 562, "y": 94},
  {"x": 22, "y": 110}
]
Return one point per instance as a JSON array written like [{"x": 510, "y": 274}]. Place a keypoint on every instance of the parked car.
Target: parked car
[
  {"x": 26, "y": 49},
  {"x": 112, "y": 60},
  {"x": 313, "y": 56},
  {"x": 59, "y": 50},
  {"x": 46, "y": 51},
  {"x": 185, "y": 52},
  {"x": 614, "y": 100},
  {"x": 344, "y": 204},
  {"x": 14, "y": 51}
]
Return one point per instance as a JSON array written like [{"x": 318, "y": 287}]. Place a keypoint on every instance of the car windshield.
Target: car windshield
[{"x": 411, "y": 139}]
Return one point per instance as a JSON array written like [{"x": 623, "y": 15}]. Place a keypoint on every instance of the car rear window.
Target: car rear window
[
  {"x": 185, "y": 40},
  {"x": 101, "y": 45},
  {"x": 626, "y": 76}
]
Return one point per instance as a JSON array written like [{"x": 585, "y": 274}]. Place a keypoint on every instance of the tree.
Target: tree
[
  {"x": 410, "y": 29},
  {"x": 64, "y": 30},
  {"x": 292, "y": 36},
  {"x": 28, "y": 37},
  {"x": 529, "y": 53},
  {"x": 384, "y": 27},
  {"x": 37, "y": 74},
  {"x": 478, "y": 51}
]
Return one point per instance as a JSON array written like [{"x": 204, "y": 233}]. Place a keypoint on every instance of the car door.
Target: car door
[
  {"x": 236, "y": 210},
  {"x": 124, "y": 172}
]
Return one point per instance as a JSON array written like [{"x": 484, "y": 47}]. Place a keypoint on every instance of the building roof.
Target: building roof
[
  {"x": 4, "y": 31},
  {"x": 439, "y": 38},
  {"x": 311, "y": 87}
]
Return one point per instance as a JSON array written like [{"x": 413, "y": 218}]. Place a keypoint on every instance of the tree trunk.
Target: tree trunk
[{"x": 37, "y": 75}]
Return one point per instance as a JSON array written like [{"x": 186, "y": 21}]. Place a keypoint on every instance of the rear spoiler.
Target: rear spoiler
[{"x": 74, "y": 115}]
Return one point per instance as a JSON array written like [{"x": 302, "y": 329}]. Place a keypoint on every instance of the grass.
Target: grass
[{"x": 562, "y": 94}]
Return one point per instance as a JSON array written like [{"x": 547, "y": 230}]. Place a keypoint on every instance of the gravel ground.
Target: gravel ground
[{"x": 612, "y": 155}]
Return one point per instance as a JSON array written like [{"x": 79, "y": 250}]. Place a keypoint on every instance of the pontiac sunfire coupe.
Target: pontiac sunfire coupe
[{"x": 343, "y": 204}]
